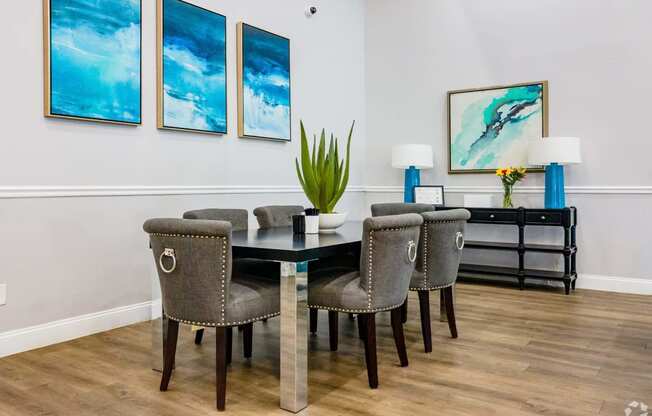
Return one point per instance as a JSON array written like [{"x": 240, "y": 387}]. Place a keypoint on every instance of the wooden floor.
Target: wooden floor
[{"x": 519, "y": 353}]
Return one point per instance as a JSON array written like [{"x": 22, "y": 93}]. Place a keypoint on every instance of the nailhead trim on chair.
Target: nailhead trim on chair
[
  {"x": 417, "y": 288},
  {"x": 425, "y": 256},
  {"x": 213, "y": 324},
  {"x": 331, "y": 308},
  {"x": 223, "y": 282},
  {"x": 187, "y": 235},
  {"x": 369, "y": 279}
]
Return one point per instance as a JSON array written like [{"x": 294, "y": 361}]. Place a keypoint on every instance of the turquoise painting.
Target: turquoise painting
[
  {"x": 490, "y": 128},
  {"x": 193, "y": 90},
  {"x": 264, "y": 91},
  {"x": 94, "y": 60}
]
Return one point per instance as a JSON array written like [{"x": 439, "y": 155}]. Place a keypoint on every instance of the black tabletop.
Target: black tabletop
[{"x": 282, "y": 244}]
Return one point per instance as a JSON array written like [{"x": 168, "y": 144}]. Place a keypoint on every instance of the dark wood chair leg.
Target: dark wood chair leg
[
  {"x": 229, "y": 345},
  {"x": 351, "y": 317},
  {"x": 399, "y": 336},
  {"x": 247, "y": 339},
  {"x": 333, "y": 329},
  {"x": 404, "y": 310},
  {"x": 313, "y": 320},
  {"x": 199, "y": 335},
  {"x": 169, "y": 351},
  {"x": 424, "y": 310},
  {"x": 370, "y": 349},
  {"x": 362, "y": 330},
  {"x": 450, "y": 309},
  {"x": 220, "y": 365}
]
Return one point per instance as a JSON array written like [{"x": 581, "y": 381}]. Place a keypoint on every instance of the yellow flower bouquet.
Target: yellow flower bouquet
[{"x": 509, "y": 177}]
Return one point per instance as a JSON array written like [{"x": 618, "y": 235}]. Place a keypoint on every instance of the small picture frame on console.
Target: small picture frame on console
[{"x": 429, "y": 194}]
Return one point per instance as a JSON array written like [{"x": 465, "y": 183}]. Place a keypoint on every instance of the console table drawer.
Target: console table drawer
[
  {"x": 494, "y": 217},
  {"x": 543, "y": 218}
]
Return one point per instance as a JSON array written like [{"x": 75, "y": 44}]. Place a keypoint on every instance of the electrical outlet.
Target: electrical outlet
[{"x": 3, "y": 294}]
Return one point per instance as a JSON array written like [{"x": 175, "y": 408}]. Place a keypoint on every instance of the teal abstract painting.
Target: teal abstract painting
[
  {"x": 491, "y": 127},
  {"x": 264, "y": 84},
  {"x": 93, "y": 60},
  {"x": 192, "y": 65}
]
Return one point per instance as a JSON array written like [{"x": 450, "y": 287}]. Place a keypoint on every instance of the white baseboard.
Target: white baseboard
[
  {"x": 615, "y": 284},
  {"x": 50, "y": 333}
]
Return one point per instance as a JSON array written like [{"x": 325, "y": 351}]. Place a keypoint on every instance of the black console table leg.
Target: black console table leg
[
  {"x": 567, "y": 286},
  {"x": 567, "y": 259},
  {"x": 521, "y": 251},
  {"x": 573, "y": 267}
]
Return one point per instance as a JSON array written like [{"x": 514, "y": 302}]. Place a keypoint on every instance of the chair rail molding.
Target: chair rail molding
[
  {"x": 591, "y": 190},
  {"x": 25, "y": 192}
]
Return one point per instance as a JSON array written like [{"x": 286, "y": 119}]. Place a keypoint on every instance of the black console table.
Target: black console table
[{"x": 522, "y": 217}]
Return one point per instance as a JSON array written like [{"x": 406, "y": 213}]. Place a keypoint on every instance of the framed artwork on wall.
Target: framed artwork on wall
[
  {"x": 490, "y": 127},
  {"x": 429, "y": 194},
  {"x": 92, "y": 60},
  {"x": 191, "y": 68},
  {"x": 264, "y": 107}
]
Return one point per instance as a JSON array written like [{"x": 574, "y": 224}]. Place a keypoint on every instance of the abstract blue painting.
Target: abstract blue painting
[
  {"x": 264, "y": 84},
  {"x": 93, "y": 60},
  {"x": 491, "y": 127},
  {"x": 192, "y": 86}
]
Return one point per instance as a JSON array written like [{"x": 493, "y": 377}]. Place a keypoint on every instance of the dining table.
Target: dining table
[{"x": 294, "y": 252}]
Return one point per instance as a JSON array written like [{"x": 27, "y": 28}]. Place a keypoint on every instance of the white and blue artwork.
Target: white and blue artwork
[
  {"x": 193, "y": 47},
  {"x": 93, "y": 60},
  {"x": 491, "y": 127},
  {"x": 264, "y": 90}
]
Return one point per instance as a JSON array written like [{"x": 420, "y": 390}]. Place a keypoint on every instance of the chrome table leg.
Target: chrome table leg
[{"x": 294, "y": 336}]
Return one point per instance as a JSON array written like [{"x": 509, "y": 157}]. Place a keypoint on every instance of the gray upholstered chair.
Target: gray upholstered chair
[
  {"x": 239, "y": 219},
  {"x": 193, "y": 260},
  {"x": 396, "y": 208},
  {"x": 440, "y": 252},
  {"x": 389, "y": 250},
  {"x": 276, "y": 215},
  {"x": 438, "y": 260}
]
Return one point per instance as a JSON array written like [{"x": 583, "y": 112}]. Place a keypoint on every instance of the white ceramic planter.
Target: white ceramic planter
[{"x": 328, "y": 223}]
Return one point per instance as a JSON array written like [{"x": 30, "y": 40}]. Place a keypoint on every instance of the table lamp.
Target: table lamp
[
  {"x": 554, "y": 153},
  {"x": 411, "y": 157}
]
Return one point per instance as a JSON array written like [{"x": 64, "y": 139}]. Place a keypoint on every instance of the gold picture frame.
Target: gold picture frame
[
  {"x": 240, "y": 80},
  {"x": 160, "y": 92},
  {"x": 544, "y": 120},
  {"x": 47, "y": 75}
]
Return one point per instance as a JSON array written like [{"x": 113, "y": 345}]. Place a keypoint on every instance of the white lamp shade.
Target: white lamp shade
[
  {"x": 417, "y": 155},
  {"x": 561, "y": 150}
]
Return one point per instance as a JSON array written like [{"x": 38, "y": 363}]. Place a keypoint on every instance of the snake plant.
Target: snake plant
[{"x": 323, "y": 176}]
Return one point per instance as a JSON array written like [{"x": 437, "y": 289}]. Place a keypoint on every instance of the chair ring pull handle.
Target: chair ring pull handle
[
  {"x": 168, "y": 252},
  {"x": 412, "y": 251},
  {"x": 459, "y": 240}
]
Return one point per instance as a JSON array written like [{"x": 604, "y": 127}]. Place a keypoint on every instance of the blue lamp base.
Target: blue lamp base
[
  {"x": 412, "y": 179},
  {"x": 555, "y": 197}
]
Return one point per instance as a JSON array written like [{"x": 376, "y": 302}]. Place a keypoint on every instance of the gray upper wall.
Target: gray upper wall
[{"x": 596, "y": 55}]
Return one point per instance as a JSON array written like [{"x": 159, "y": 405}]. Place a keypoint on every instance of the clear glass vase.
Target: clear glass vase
[{"x": 507, "y": 196}]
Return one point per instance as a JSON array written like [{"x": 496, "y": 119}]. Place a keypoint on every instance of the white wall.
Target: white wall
[
  {"x": 597, "y": 58},
  {"x": 73, "y": 195},
  {"x": 67, "y": 255}
]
